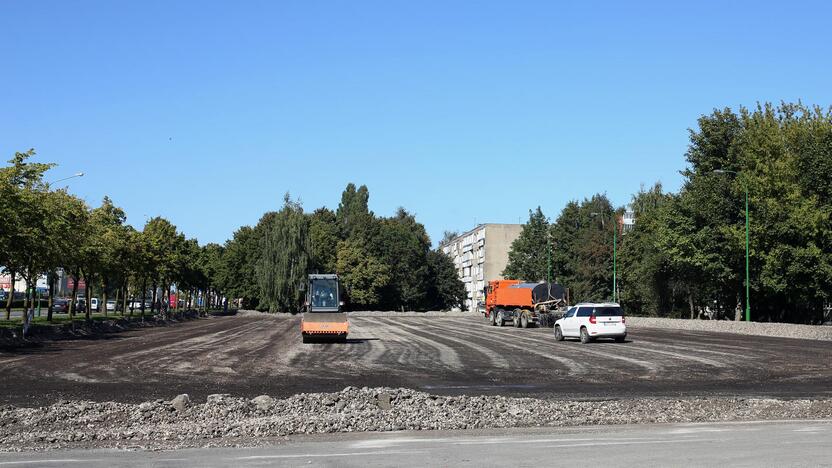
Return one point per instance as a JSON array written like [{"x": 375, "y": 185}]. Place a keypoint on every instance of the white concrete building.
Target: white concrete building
[{"x": 480, "y": 255}]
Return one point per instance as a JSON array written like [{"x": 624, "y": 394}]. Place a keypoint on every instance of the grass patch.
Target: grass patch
[{"x": 61, "y": 319}]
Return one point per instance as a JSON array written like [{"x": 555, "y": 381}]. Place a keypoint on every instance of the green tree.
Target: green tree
[
  {"x": 446, "y": 290},
  {"x": 353, "y": 215},
  {"x": 239, "y": 266},
  {"x": 323, "y": 238},
  {"x": 363, "y": 276},
  {"x": 284, "y": 262},
  {"x": 528, "y": 258}
]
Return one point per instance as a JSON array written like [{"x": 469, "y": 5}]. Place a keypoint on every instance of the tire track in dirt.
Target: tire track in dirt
[
  {"x": 447, "y": 355},
  {"x": 570, "y": 366},
  {"x": 497, "y": 359},
  {"x": 651, "y": 368}
]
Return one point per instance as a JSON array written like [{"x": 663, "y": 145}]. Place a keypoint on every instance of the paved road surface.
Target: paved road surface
[
  {"x": 754, "y": 444},
  {"x": 249, "y": 356}
]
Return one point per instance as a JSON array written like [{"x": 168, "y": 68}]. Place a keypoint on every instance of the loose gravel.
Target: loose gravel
[
  {"x": 779, "y": 330},
  {"x": 228, "y": 420}
]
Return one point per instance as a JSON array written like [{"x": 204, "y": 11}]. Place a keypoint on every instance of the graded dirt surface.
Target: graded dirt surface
[{"x": 253, "y": 355}]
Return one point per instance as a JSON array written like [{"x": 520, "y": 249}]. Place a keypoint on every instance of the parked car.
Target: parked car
[
  {"x": 111, "y": 305},
  {"x": 60, "y": 306},
  {"x": 94, "y": 304},
  {"x": 588, "y": 321}
]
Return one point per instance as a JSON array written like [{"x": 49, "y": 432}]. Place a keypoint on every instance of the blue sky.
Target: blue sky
[{"x": 462, "y": 112}]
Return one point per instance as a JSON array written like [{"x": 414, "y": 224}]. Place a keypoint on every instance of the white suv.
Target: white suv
[{"x": 588, "y": 321}]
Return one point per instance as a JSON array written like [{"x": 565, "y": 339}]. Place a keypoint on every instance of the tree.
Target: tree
[
  {"x": 363, "y": 276},
  {"x": 284, "y": 262},
  {"x": 239, "y": 266},
  {"x": 353, "y": 214},
  {"x": 446, "y": 290},
  {"x": 645, "y": 279},
  {"x": 26, "y": 251},
  {"x": 528, "y": 258},
  {"x": 323, "y": 240},
  {"x": 402, "y": 244},
  {"x": 161, "y": 245},
  {"x": 582, "y": 239}
]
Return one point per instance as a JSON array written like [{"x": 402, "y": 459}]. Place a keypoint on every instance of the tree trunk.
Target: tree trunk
[
  {"x": 155, "y": 298},
  {"x": 10, "y": 299},
  {"x": 26, "y": 296},
  {"x": 88, "y": 311},
  {"x": 74, "y": 295},
  {"x": 690, "y": 303},
  {"x": 125, "y": 289},
  {"x": 50, "y": 278},
  {"x": 103, "y": 304},
  {"x": 28, "y": 299}
]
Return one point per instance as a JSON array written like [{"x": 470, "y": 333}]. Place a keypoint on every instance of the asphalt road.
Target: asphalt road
[
  {"x": 249, "y": 356},
  {"x": 753, "y": 444}
]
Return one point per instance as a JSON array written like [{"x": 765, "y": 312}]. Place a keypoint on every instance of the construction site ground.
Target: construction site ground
[{"x": 263, "y": 354}]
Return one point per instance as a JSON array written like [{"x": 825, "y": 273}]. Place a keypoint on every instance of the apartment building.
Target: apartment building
[{"x": 480, "y": 255}]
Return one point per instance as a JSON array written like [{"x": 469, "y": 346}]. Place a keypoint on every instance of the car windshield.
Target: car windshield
[
  {"x": 324, "y": 293},
  {"x": 608, "y": 312}
]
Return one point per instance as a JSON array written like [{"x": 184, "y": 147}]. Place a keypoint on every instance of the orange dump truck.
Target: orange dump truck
[
  {"x": 523, "y": 304},
  {"x": 323, "y": 319}
]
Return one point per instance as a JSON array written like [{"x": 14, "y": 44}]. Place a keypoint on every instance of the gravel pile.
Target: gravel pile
[
  {"x": 782, "y": 330},
  {"x": 227, "y": 420}
]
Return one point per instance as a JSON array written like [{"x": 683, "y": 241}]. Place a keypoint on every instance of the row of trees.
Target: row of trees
[
  {"x": 45, "y": 230},
  {"x": 686, "y": 254},
  {"x": 383, "y": 263}
]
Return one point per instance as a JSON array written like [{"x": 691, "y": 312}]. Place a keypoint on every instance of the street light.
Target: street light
[
  {"x": 747, "y": 278},
  {"x": 80, "y": 174},
  {"x": 614, "y": 242}
]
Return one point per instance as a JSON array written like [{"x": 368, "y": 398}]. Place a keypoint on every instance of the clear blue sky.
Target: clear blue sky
[{"x": 462, "y": 112}]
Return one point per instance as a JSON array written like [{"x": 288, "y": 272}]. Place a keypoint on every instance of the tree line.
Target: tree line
[
  {"x": 685, "y": 255},
  {"x": 46, "y": 230},
  {"x": 383, "y": 262}
]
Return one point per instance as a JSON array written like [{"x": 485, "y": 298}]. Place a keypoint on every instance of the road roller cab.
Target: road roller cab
[{"x": 322, "y": 317}]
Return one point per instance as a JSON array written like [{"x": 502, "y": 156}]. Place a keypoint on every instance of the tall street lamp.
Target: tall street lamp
[
  {"x": 614, "y": 242},
  {"x": 747, "y": 278}
]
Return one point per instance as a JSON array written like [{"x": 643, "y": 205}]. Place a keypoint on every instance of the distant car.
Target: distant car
[
  {"x": 588, "y": 321},
  {"x": 94, "y": 304},
  {"x": 60, "y": 306},
  {"x": 111, "y": 304},
  {"x": 136, "y": 305}
]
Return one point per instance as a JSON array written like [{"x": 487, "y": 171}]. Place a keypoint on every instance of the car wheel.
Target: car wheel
[
  {"x": 585, "y": 336},
  {"x": 558, "y": 333}
]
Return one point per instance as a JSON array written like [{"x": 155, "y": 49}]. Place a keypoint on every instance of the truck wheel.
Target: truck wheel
[
  {"x": 515, "y": 322},
  {"x": 492, "y": 318},
  {"x": 558, "y": 333},
  {"x": 585, "y": 336},
  {"x": 500, "y": 319},
  {"x": 524, "y": 320}
]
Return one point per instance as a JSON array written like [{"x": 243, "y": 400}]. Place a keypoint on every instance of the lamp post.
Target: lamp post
[
  {"x": 747, "y": 275},
  {"x": 614, "y": 248},
  {"x": 548, "y": 253}
]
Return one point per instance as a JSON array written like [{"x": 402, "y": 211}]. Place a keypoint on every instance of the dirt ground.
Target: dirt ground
[{"x": 253, "y": 355}]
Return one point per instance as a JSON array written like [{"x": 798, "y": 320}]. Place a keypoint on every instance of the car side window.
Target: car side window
[
  {"x": 584, "y": 311},
  {"x": 569, "y": 313}
]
